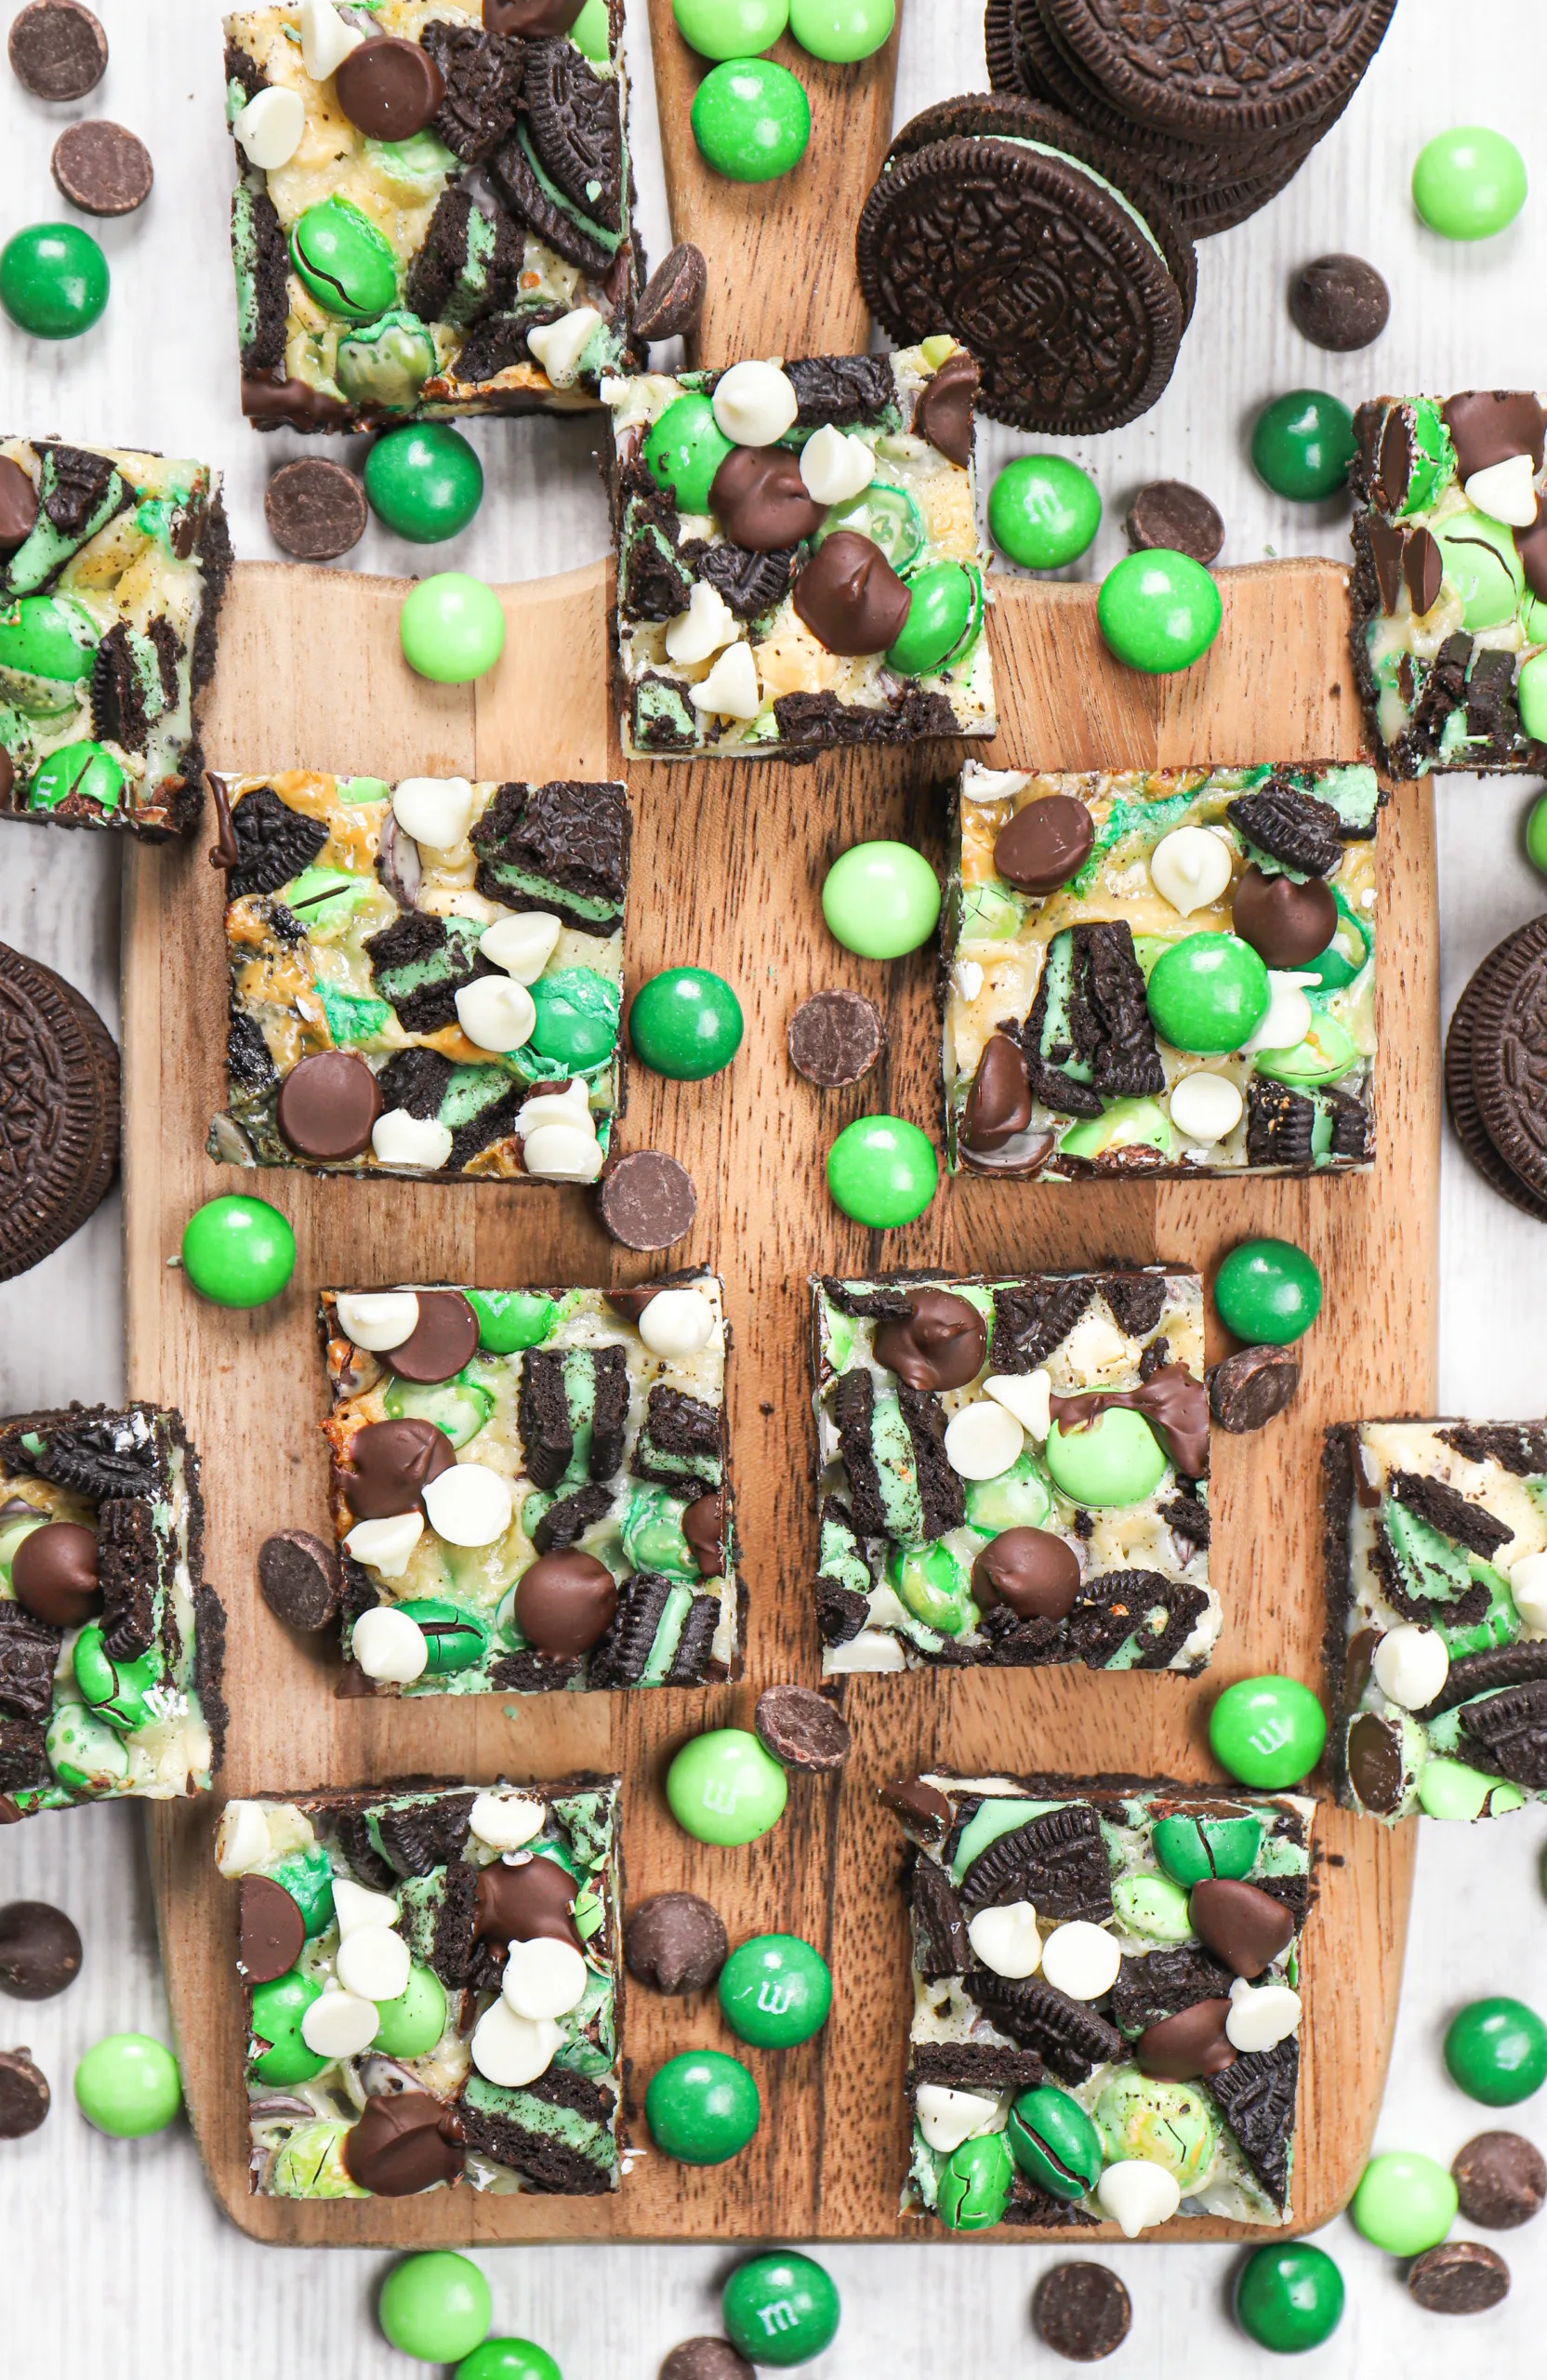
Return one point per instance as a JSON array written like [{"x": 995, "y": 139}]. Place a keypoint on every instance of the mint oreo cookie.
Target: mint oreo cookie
[
  {"x": 1508, "y": 1057},
  {"x": 58, "y": 1112},
  {"x": 1461, "y": 1100}
]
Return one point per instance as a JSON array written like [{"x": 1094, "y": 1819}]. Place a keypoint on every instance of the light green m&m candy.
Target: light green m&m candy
[
  {"x": 1405, "y": 2202},
  {"x": 723, "y": 29},
  {"x": 1171, "y": 2125},
  {"x": 508, "y": 2360},
  {"x": 842, "y": 32},
  {"x": 1207, "y": 993},
  {"x": 1116, "y": 1459},
  {"x": 1268, "y": 1292},
  {"x": 1153, "y": 1906},
  {"x": 1043, "y": 511},
  {"x": 435, "y": 2306},
  {"x": 933, "y": 1584},
  {"x": 344, "y": 261},
  {"x": 883, "y": 1171},
  {"x": 1125, "y": 1124},
  {"x": 238, "y": 1251},
  {"x": 452, "y": 628},
  {"x": 945, "y": 615},
  {"x": 424, "y": 482},
  {"x": 1449, "y": 1791},
  {"x": 702, "y": 2108},
  {"x": 775, "y": 1992},
  {"x": 386, "y": 362},
  {"x": 128, "y": 2086},
  {"x": 590, "y": 33},
  {"x": 1268, "y": 1731},
  {"x": 724, "y": 1788},
  {"x": 1468, "y": 183},
  {"x": 751, "y": 120},
  {"x": 1482, "y": 568},
  {"x": 411, "y": 2024},
  {"x": 1159, "y": 610},
  {"x": 881, "y": 900}
]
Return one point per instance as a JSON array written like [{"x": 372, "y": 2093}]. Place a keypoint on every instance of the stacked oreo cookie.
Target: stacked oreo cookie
[
  {"x": 58, "y": 1112},
  {"x": 1219, "y": 105},
  {"x": 1496, "y": 1069}
]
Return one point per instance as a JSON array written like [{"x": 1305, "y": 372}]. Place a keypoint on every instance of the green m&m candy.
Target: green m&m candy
[
  {"x": 50, "y": 637},
  {"x": 1268, "y": 1731},
  {"x": 435, "y": 2306},
  {"x": 883, "y": 1171},
  {"x": 1125, "y": 1124},
  {"x": 452, "y": 628},
  {"x": 344, "y": 261},
  {"x": 1496, "y": 2051},
  {"x": 1043, "y": 511},
  {"x": 424, "y": 480},
  {"x": 1194, "y": 1850},
  {"x": 576, "y": 1021},
  {"x": 975, "y": 2183},
  {"x": 724, "y": 1787},
  {"x": 411, "y": 2024},
  {"x": 932, "y": 1582},
  {"x": 1054, "y": 2143},
  {"x": 842, "y": 32},
  {"x": 80, "y": 771},
  {"x": 1159, "y": 610},
  {"x": 1290, "y": 2298},
  {"x": 128, "y": 2086},
  {"x": 508, "y": 2360},
  {"x": 278, "y": 2008},
  {"x": 1116, "y": 1459},
  {"x": 751, "y": 120},
  {"x": 1154, "y": 1906},
  {"x": 1405, "y": 2202},
  {"x": 1268, "y": 1292},
  {"x": 1207, "y": 993},
  {"x": 386, "y": 362},
  {"x": 881, "y": 900},
  {"x": 510, "y": 1319},
  {"x": 685, "y": 1023},
  {"x": 1482, "y": 567},
  {"x": 730, "y": 28},
  {"x": 780, "y": 2308},
  {"x": 945, "y": 614},
  {"x": 54, "y": 280},
  {"x": 702, "y": 2108},
  {"x": 685, "y": 449},
  {"x": 1468, "y": 183},
  {"x": 117, "y": 1690},
  {"x": 775, "y": 1992},
  {"x": 1303, "y": 443},
  {"x": 590, "y": 33},
  {"x": 238, "y": 1251}
]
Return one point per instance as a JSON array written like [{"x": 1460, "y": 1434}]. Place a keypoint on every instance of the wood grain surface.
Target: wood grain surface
[{"x": 728, "y": 863}]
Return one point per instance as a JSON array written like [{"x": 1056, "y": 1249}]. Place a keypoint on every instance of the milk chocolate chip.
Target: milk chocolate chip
[
  {"x": 566, "y": 1602},
  {"x": 390, "y": 88},
  {"x": 530, "y": 1903},
  {"x": 1243, "y": 1927},
  {"x": 1187, "y": 2047},
  {"x": 761, "y": 500},
  {"x": 54, "y": 1574},
  {"x": 1286, "y": 924},
  {"x": 999, "y": 1106},
  {"x": 1030, "y": 1571},
  {"x": 850, "y": 597},
  {"x": 394, "y": 1462},
  {"x": 943, "y": 412},
  {"x": 404, "y": 2141},
  {"x": 327, "y": 1106},
  {"x": 1045, "y": 843},
  {"x": 941, "y": 1343}
]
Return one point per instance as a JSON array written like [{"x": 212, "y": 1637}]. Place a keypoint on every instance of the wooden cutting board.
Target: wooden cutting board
[{"x": 728, "y": 863}]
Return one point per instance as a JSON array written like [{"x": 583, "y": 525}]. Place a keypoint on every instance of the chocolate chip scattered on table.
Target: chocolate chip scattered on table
[
  {"x": 675, "y": 1942},
  {"x": 1338, "y": 302},
  {"x": 646, "y": 1200},
  {"x": 299, "y": 1578},
  {"x": 834, "y": 1038},
  {"x": 1459, "y": 2277},
  {"x": 24, "y": 2095},
  {"x": 58, "y": 49},
  {"x": 315, "y": 510},
  {"x": 1179, "y": 519},
  {"x": 1500, "y": 2180},
  {"x": 40, "y": 1948},
  {"x": 1081, "y": 2311},
  {"x": 102, "y": 169},
  {"x": 801, "y": 1729}
]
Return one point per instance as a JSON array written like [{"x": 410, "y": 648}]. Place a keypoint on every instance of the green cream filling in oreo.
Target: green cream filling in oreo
[
  {"x": 1062, "y": 157},
  {"x": 610, "y": 240}
]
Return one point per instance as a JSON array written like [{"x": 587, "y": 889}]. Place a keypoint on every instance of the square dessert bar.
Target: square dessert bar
[
  {"x": 401, "y": 1957},
  {"x": 1104, "y": 1984},
  {"x": 743, "y": 628},
  {"x": 444, "y": 226},
  {"x": 1436, "y": 1632},
  {"x": 1013, "y": 1471},
  {"x": 1450, "y": 586},
  {"x": 403, "y": 1004},
  {"x": 111, "y": 1647},
  {"x": 1161, "y": 972},
  {"x": 529, "y": 1486},
  {"x": 112, "y": 566}
]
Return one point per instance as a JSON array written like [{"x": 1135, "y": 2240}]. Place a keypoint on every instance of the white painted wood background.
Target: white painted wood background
[{"x": 114, "y": 2259}]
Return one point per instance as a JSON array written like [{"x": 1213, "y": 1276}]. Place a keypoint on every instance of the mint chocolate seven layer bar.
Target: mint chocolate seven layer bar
[
  {"x": 1436, "y": 1588},
  {"x": 434, "y": 1992},
  {"x": 1105, "y": 2002},
  {"x": 425, "y": 978},
  {"x": 1013, "y": 1471},
  {"x": 529, "y": 1486}
]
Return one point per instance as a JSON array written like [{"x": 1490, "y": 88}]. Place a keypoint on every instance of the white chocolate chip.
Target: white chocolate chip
[
  {"x": 560, "y": 346},
  {"x": 242, "y": 1842},
  {"x": 506, "y": 1821},
  {"x": 979, "y": 784},
  {"x": 562, "y": 1153},
  {"x": 571, "y": 1105},
  {"x": 755, "y": 404},
  {"x": 872, "y": 1652},
  {"x": 1289, "y": 1017},
  {"x": 374, "y": 1964},
  {"x": 1528, "y": 1586},
  {"x": 1190, "y": 868},
  {"x": 340, "y": 2025},
  {"x": 386, "y": 1545},
  {"x": 1137, "y": 2194},
  {"x": 497, "y": 1014},
  {"x": 946, "y": 2117},
  {"x": 707, "y": 624},
  {"x": 1411, "y": 1665},
  {"x": 470, "y": 1504},
  {"x": 675, "y": 1323},
  {"x": 1261, "y": 2016},
  {"x": 1080, "y": 1958},
  {"x": 377, "y": 1319},
  {"x": 1007, "y": 1940},
  {"x": 401, "y": 1139},
  {"x": 983, "y": 1440},
  {"x": 1026, "y": 1394},
  {"x": 836, "y": 466},
  {"x": 389, "y": 1644},
  {"x": 1505, "y": 491},
  {"x": 1205, "y": 1108},
  {"x": 436, "y": 811},
  {"x": 543, "y": 1979},
  {"x": 523, "y": 945},
  {"x": 730, "y": 689},
  {"x": 512, "y": 2050},
  {"x": 326, "y": 41},
  {"x": 270, "y": 126},
  {"x": 968, "y": 977},
  {"x": 355, "y": 1907}
]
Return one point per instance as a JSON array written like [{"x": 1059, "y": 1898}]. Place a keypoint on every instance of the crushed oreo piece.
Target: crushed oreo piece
[
  {"x": 482, "y": 75},
  {"x": 1290, "y": 825},
  {"x": 1256, "y": 2097},
  {"x": 1071, "y": 2036},
  {"x": 842, "y": 389},
  {"x": 1162, "y": 1984},
  {"x": 1057, "y": 1862},
  {"x": 576, "y": 129},
  {"x": 274, "y": 843},
  {"x": 1452, "y": 1513},
  {"x": 752, "y": 584},
  {"x": 940, "y": 1944}
]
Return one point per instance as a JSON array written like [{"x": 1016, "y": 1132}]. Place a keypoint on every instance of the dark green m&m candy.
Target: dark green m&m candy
[
  {"x": 751, "y": 120},
  {"x": 454, "y": 1638},
  {"x": 943, "y": 615},
  {"x": 576, "y": 1024},
  {"x": 1289, "y": 2298},
  {"x": 781, "y": 2309},
  {"x": 278, "y": 2009},
  {"x": 775, "y": 1992},
  {"x": 117, "y": 1690},
  {"x": 508, "y": 2360},
  {"x": 54, "y": 280},
  {"x": 81, "y": 773},
  {"x": 702, "y": 2108},
  {"x": 1054, "y": 2143},
  {"x": 1207, "y": 993},
  {"x": 1267, "y": 1291},
  {"x": 975, "y": 2183},
  {"x": 344, "y": 261},
  {"x": 1302, "y": 445},
  {"x": 1193, "y": 1850},
  {"x": 424, "y": 482},
  {"x": 685, "y": 449},
  {"x": 685, "y": 1023},
  {"x": 1496, "y": 2051}
]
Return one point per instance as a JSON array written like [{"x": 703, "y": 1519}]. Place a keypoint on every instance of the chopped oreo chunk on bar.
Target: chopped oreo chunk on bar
[{"x": 561, "y": 847}]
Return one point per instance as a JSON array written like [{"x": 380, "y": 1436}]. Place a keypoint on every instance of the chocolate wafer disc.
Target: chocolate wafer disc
[
  {"x": 1461, "y": 1102},
  {"x": 1221, "y": 68},
  {"x": 1508, "y": 1055},
  {"x": 58, "y": 1112}
]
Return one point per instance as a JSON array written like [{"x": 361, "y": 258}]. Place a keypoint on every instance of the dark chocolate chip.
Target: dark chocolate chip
[
  {"x": 1250, "y": 1387},
  {"x": 1045, "y": 843},
  {"x": 58, "y": 49},
  {"x": 315, "y": 510},
  {"x": 704, "y": 1526},
  {"x": 1188, "y": 2046},
  {"x": 1375, "y": 1768},
  {"x": 1340, "y": 303},
  {"x": 922, "y": 1807},
  {"x": 1081, "y": 2311},
  {"x": 40, "y": 1950},
  {"x": 647, "y": 1200},
  {"x": 834, "y": 1038},
  {"x": 443, "y": 1339},
  {"x": 1459, "y": 2277},
  {"x": 761, "y": 501},
  {"x": 533, "y": 20},
  {"x": 1286, "y": 924},
  {"x": 1487, "y": 426},
  {"x": 54, "y": 1574},
  {"x": 390, "y": 88},
  {"x": 801, "y": 1729},
  {"x": 675, "y": 1942},
  {"x": 943, "y": 412},
  {"x": 18, "y": 506},
  {"x": 1240, "y": 1924},
  {"x": 24, "y": 2094},
  {"x": 299, "y": 1578},
  {"x": 565, "y": 1601},
  {"x": 101, "y": 169},
  {"x": 270, "y": 1930},
  {"x": 940, "y": 1342},
  {"x": 999, "y": 1103},
  {"x": 1029, "y": 1569},
  {"x": 404, "y": 2142},
  {"x": 1500, "y": 2180},
  {"x": 530, "y": 1903},
  {"x": 393, "y": 1463},
  {"x": 705, "y": 2359},
  {"x": 674, "y": 295},
  {"x": 327, "y": 1106},
  {"x": 1176, "y": 517},
  {"x": 850, "y": 597}
]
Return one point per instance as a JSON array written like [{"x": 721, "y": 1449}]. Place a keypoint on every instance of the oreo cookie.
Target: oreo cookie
[
  {"x": 1496, "y": 1070},
  {"x": 576, "y": 129},
  {"x": 1208, "y": 72},
  {"x": 58, "y": 1112},
  {"x": 1069, "y": 276}
]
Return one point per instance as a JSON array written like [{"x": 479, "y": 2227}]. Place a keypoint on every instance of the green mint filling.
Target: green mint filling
[
  {"x": 704, "y": 1467},
  {"x": 543, "y": 2120},
  {"x": 668, "y": 1635},
  {"x": 840, "y": 1558},
  {"x": 892, "y": 1449},
  {"x": 610, "y": 240},
  {"x": 1001, "y": 1815},
  {"x": 1354, "y": 793},
  {"x": 46, "y": 549},
  {"x": 1432, "y": 1567},
  {"x": 351, "y": 1020},
  {"x": 588, "y": 1818},
  {"x": 470, "y": 1090},
  {"x": 453, "y": 961},
  {"x": 522, "y": 879},
  {"x": 473, "y": 282},
  {"x": 1089, "y": 173},
  {"x": 1057, "y": 1031},
  {"x": 580, "y": 1403}
]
